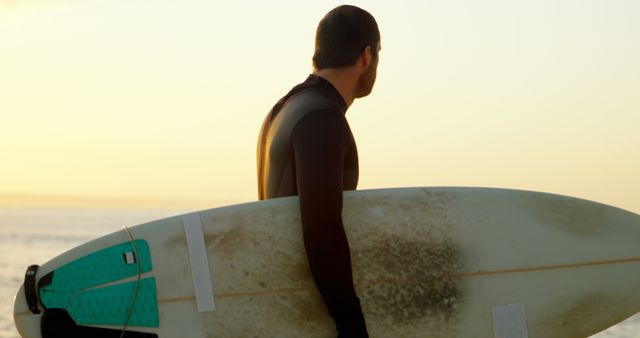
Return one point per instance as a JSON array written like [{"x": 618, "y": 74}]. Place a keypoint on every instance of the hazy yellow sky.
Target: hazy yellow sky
[{"x": 164, "y": 99}]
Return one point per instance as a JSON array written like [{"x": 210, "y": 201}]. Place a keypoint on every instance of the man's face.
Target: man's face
[{"x": 368, "y": 77}]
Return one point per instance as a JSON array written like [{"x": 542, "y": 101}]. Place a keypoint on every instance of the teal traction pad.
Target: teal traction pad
[{"x": 76, "y": 288}]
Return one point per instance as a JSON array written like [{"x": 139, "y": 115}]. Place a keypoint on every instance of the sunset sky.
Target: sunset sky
[{"x": 163, "y": 100}]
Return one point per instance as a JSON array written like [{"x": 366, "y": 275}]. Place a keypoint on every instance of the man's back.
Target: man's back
[{"x": 313, "y": 107}]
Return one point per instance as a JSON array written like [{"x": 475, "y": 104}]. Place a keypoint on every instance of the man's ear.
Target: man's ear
[{"x": 366, "y": 57}]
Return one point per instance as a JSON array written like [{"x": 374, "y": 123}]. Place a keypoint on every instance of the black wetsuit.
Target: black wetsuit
[{"x": 306, "y": 148}]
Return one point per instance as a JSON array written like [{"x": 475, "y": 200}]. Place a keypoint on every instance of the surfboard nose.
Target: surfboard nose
[{"x": 27, "y": 324}]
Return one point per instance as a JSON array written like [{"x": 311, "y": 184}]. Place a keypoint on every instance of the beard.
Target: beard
[{"x": 366, "y": 81}]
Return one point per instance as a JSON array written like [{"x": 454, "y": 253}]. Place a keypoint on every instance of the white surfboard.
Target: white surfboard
[{"x": 428, "y": 262}]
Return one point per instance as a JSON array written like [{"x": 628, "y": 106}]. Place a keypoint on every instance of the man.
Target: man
[{"x": 306, "y": 148}]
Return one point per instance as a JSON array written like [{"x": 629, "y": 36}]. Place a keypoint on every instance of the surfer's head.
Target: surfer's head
[
  {"x": 342, "y": 35},
  {"x": 346, "y": 36}
]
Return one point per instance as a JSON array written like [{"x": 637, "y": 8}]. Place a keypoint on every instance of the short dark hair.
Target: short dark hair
[{"x": 342, "y": 35}]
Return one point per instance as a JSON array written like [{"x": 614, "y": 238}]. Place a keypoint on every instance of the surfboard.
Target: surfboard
[{"x": 427, "y": 262}]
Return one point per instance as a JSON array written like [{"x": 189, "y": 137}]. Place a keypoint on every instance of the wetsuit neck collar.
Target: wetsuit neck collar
[{"x": 329, "y": 88}]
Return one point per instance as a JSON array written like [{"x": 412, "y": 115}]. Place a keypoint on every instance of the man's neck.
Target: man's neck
[{"x": 341, "y": 79}]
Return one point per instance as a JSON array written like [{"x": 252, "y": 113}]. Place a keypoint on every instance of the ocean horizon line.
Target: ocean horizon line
[{"x": 45, "y": 201}]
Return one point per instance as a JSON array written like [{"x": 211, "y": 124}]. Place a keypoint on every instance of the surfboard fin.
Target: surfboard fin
[
  {"x": 58, "y": 323},
  {"x": 30, "y": 289}
]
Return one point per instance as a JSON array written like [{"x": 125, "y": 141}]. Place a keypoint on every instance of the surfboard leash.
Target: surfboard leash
[{"x": 135, "y": 296}]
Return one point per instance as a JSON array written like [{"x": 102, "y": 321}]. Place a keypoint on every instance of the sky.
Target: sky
[{"x": 163, "y": 100}]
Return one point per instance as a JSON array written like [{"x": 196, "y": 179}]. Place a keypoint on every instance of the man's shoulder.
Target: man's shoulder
[{"x": 309, "y": 101}]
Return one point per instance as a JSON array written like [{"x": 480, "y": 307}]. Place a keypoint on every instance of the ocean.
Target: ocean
[{"x": 33, "y": 236}]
